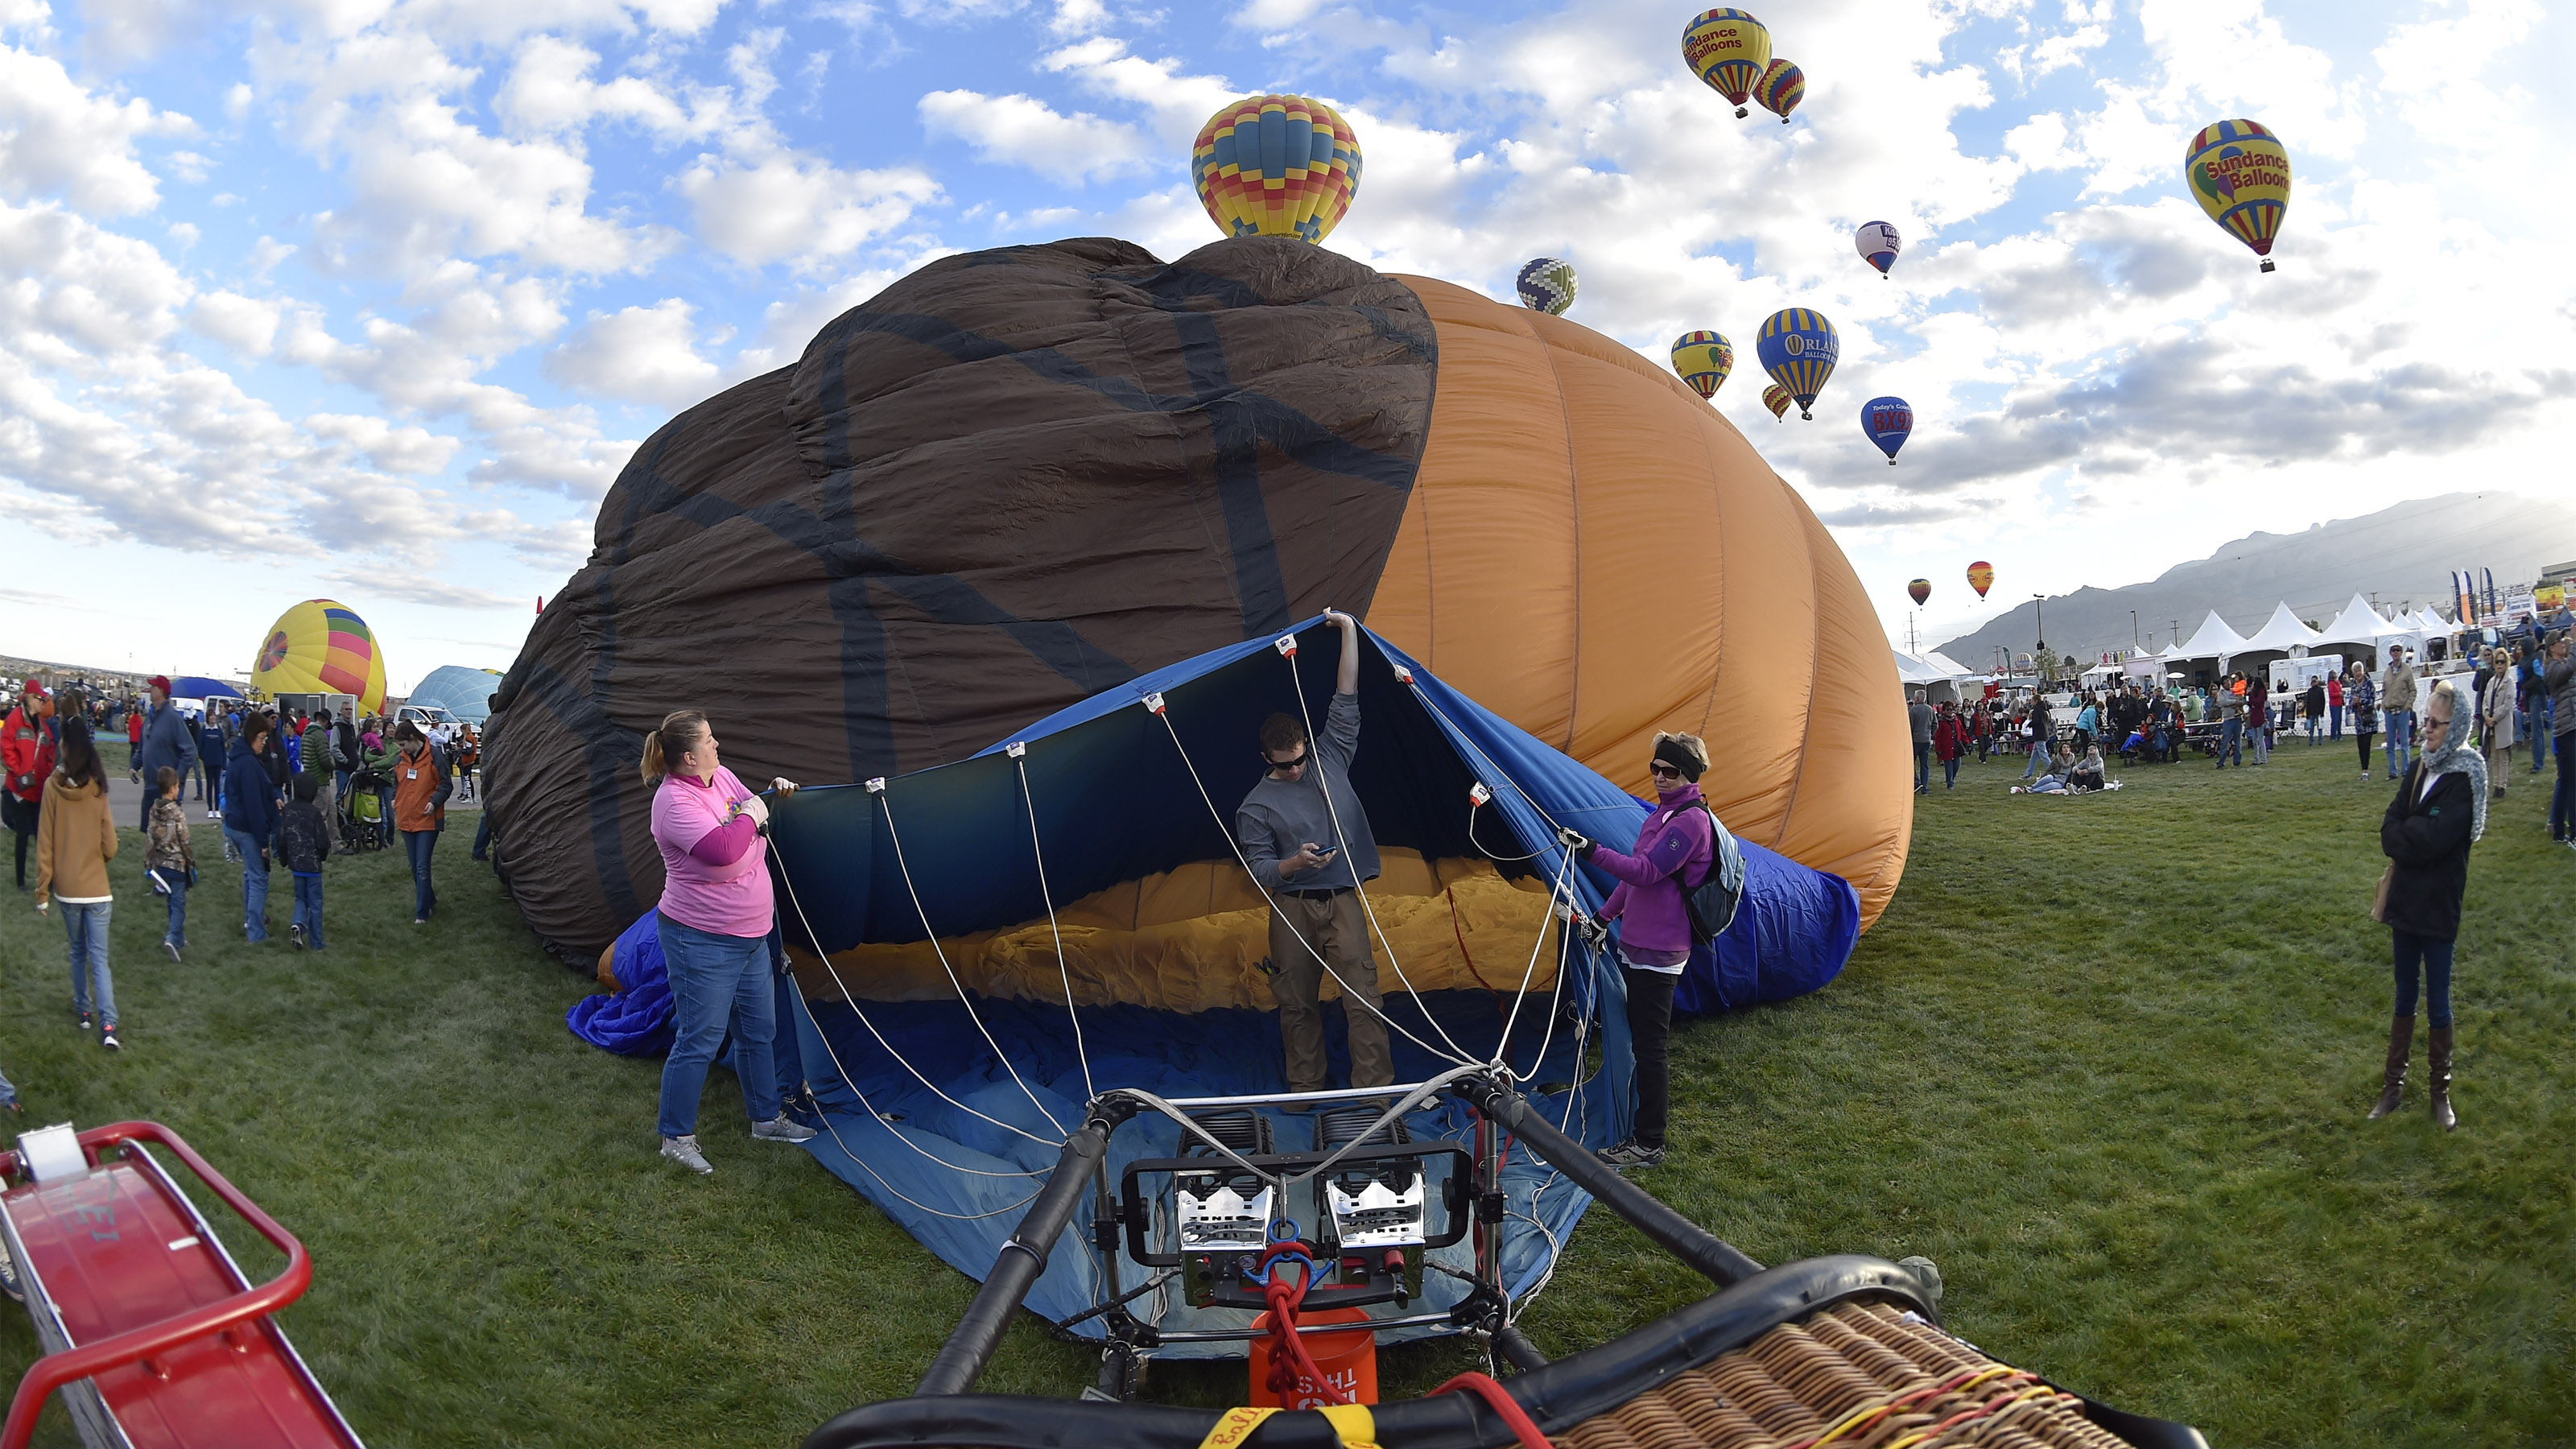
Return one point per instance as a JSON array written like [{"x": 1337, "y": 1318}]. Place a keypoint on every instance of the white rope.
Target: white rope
[
  {"x": 1503, "y": 1048},
  {"x": 1324, "y": 786},
  {"x": 1349, "y": 993},
  {"x": 1489, "y": 854},
  {"x": 887, "y": 803},
  {"x": 1064, "y": 972},
  {"x": 851, "y": 999}
]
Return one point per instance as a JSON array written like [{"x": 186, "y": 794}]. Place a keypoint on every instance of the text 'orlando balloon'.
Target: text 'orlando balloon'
[{"x": 1798, "y": 348}]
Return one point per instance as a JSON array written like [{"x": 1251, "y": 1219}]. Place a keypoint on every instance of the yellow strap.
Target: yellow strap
[{"x": 1353, "y": 1422}]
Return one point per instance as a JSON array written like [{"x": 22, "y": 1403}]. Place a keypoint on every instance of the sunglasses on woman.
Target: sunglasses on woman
[{"x": 1659, "y": 770}]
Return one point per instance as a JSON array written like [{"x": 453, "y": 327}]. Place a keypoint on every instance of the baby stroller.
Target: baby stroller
[{"x": 362, "y": 814}]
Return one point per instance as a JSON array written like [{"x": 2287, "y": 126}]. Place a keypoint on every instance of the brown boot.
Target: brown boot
[
  {"x": 2439, "y": 1079},
  {"x": 2401, "y": 1040}
]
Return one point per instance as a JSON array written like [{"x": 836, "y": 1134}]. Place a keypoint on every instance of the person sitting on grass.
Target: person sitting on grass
[
  {"x": 2088, "y": 773},
  {"x": 75, "y": 839},
  {"x": 304, "y": 842},
  {"x": 168, "y": 861},
  {"x": 2060, "y": 763}
]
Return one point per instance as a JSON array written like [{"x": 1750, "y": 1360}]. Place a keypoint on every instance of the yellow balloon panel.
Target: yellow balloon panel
[
  {"x": 2240, "y": 174},
  {"x": 321, "y": 645}
]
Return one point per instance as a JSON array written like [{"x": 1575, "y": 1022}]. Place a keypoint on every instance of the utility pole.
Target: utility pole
[{"x": 2133, "y": 628}]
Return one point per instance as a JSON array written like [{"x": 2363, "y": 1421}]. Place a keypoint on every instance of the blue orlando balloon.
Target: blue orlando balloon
[
  {"x": 1798, "y": 347},
  {"x": 1887, "y": 420}
]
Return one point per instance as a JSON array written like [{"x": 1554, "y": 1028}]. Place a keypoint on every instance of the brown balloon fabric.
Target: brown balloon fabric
[
  {"x": 1595, "y": 554},
  {"x": 1009, "y": 481}
]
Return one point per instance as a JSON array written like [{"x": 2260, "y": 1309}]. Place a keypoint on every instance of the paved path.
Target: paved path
[{"x": 126, "y": 798}]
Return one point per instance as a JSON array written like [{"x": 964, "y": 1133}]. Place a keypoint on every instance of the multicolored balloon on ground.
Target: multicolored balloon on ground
[
  {"x": 1921, "y": 589},
  {"x": 1703, "y": 359},
  {"x": 2240, "y": 175},
  {"x": 1780, "y": 89},
  {"x": 321, "y": 645},
  {"x": 1878, "y": 244},
  {"x": 1887, "y": 420},
  {"x": 1798, "y": 348},
  {"x": 1777, "y": 399},
  {"x": 1981, "y": 577},
  {"x": 1729, "y": 50},
  {"x": 1546, "y": 284},
  {"x": 1276, "y": 166}
]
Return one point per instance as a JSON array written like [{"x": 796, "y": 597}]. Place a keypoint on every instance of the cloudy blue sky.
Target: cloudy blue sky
[{"x": 372, "y": 298}]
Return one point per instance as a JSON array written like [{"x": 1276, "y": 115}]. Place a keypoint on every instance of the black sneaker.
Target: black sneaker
[
  {"x": 295, "y": 936},
  {"x": 108, "y": 1040},
  {"x": 87, "y": 1021},
  {"x": 1632, "y": 1154}
]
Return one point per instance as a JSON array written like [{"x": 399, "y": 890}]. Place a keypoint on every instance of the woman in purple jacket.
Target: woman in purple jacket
[{"x": 1673, "y": 851}]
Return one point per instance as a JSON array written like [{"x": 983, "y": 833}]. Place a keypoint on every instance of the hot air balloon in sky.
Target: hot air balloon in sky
[
  {"x": 321, "y": 645},
  {"x": 1921, "y": 589},
  {"x": 2240, "y": 175},
  {"x": 1798, "y": 347},
  {"x": 1887, "y": 420},
  {"x": 1703, "y": 359},
  {"x": 1276, "y": 166},
  {"x": 1780, "y": 89},
  {"x": 1728, "y": 49},
  {"x": 1777, "y": 399},
  {"x": 1546, "y": 285},
  {"x": 1981, "y": 577},
  {"x": 1878, "y": 244}
]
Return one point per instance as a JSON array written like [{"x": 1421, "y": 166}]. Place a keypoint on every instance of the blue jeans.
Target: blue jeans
[
  {"x": 2231, "y": 744},
  {"x": 2532, "y": 730},
  {"x": 177, "y": 935},
  {"x": 2400, "y": 728},
  {"x": 715, "y": 980},
  {"x": 1950, "y": 773},
  {"x": 1922, "y": 766},
  {"x": 2435, "y": 958},
  {"x": 308, "y": 908},
  {"x": 2038, "y": 756},
  {"x": 85, "y": 927},
  {"x": 2334, "y": 721},
  {"x": 2262, "y": 734},
  {"x": 418, "y": 844},
  {"x": 254, "y": 861},
  {"x": 2562, "y": 801}
]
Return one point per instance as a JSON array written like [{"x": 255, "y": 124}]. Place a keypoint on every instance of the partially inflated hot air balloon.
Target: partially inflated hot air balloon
[
  {"x": 1921, "y": 589},
  {"x": 1798, "y": 347},
  {"x": 1703, "y": 359},
  {"x": 1728, "y": 49},
  {"x": 322, "y": 646},
  {"x": 1878, "y": 244},
  {"x": 1777, "y": 399},
  {"x": 1981, "y": 577},
  {"x": 1887, "y": 420},
  {"x": 2240, "y": 175},
  {"x": 1276, "y": 166},
  {"x": 1780, "y": 89},
  {"x": 1546, "y": 284}
]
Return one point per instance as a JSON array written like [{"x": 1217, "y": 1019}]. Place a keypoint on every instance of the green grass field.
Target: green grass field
[{"x": 2105, "y": 1060}]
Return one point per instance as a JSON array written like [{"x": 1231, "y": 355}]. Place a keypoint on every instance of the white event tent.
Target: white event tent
[{"x": 2212, "y": 640}]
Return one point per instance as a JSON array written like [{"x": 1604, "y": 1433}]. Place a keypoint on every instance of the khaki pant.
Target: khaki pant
[{"x": 1335, "y": 928}]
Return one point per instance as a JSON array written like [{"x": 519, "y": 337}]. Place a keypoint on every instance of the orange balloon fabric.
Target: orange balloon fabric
[{"x": 1595, "y": 554}]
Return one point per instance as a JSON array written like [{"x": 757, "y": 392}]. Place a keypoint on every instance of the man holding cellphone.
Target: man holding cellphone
[{"x": 1306, "y": 840}]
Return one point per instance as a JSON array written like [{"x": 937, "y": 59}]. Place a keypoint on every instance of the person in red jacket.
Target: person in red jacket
[
  {"x": 134, "y": 745},
  {"x": 27, "y": 755},
  {"x": 1950, "y": 741}
]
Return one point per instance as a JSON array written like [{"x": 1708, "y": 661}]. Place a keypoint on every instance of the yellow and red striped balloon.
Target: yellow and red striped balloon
[
  {"x": 1276, "y": 166},
  {"x": 2240, "y": 174},
  {"x": 1729, "y": 50},
  {"x": 1703, "y": 359},
  {"x": 321, "y": 645}
]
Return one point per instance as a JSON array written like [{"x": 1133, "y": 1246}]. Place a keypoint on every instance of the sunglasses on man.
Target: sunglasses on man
[{"x": 1298, "y": 763}]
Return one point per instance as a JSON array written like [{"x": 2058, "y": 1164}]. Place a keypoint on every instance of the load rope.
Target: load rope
[
  {"x": 1019, "y": 757},
  {"x": 1500, "y": 1400},
  {"x": 1294, "y": 1375}
]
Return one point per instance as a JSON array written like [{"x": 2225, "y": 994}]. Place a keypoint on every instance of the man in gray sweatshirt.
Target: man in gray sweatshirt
[{"x": 1306, "y": 840}]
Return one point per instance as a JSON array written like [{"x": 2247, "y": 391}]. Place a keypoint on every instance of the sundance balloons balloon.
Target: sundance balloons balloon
[
  {"x": 321, "y": 645},
  {"x": 1276, "y": 166},
  {"x": 1703, "y": 359},
  {"x": 1921, "y": 589},
  {"x": 1981, "y": 577},
  {"x": 1777, "y": 399},
  {"x": 1546, "y": 285},
  {"x": 935, "y": 620},
  {"x": 1729, "y": 50},
  {"x": 1887, "y": 420},
  {"x": 1798, "y": 348},
  {"x": 1878, "y": 244},
  {"x": 1780, "y": 89},
  {"x": 2240, "y": 175}
]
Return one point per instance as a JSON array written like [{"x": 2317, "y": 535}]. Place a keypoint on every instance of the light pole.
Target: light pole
[{"x": 2133, "y": 628}]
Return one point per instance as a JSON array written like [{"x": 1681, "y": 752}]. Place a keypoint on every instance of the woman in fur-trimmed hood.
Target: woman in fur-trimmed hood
[{"x": 2439, "y": 813}]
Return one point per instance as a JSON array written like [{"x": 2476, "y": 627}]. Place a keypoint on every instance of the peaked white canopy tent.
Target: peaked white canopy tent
[{"x": 2212, "y": 640}]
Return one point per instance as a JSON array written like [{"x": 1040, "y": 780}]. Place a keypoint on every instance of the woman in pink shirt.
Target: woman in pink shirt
[{"x": 716, "y": 916}]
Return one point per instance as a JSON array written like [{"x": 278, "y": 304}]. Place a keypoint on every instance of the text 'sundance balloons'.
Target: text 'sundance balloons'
[
  {"x": 2240, "y": 175},
  {"x": 1878, "y": 244},
  {"x": 1887, "y": 420},
  {"x": 1777, "y": 399},
  {"x": 1921, "y": 589},
  {"x": 1981, "y": 577},
  {"x": 1780, "y": 89},
  {"x": 1729, "y": 50},
  {"x": 1798, "y": 348},
  {"x": 1276, "y": 166},
  {"x": 1546, "y": 284},
  {"x": 1703, "y": 359}
]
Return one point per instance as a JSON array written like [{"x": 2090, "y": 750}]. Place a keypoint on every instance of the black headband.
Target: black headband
[{"x": 1674, "y": 753}]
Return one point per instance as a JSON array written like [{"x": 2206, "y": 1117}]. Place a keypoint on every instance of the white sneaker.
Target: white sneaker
[
  {"x": 684, "y": 1151},
  {"x": 782, "y": 1128}
]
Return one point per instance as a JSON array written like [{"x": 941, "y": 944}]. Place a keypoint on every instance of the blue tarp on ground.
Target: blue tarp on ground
[
  {"x": 1114, "y": 798},
  {"x": 634, "y": 1020}
]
